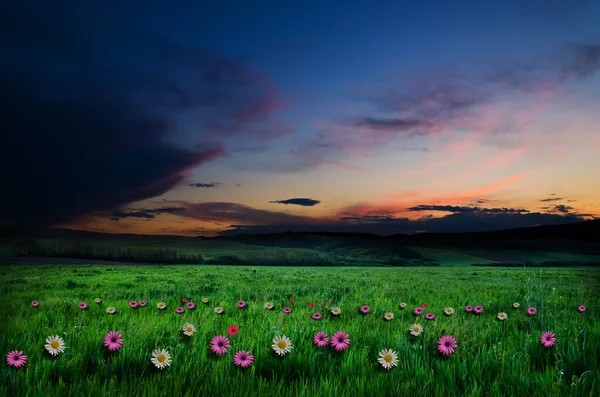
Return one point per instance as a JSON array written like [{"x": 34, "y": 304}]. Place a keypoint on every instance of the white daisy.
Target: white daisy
[
  {"x": 282, "y": 345},
  {"x": 449, "y": 311},
  {"x": 111, "y": 310},
  {"x": 55, "y": 345},
  {"x": 205, "y": 301},
  {"x": 189, "y": 329},
  {"x": 402, "y": 305},
  {"x": 336, "y": 311},
  {"x": 502, "y": 316},
  {"x": 516, "y": 305},
  {"x": 416, "y": 329},
  {"x": 388, "y": 316},
  {"x": 218, "y": 310},
  {"x": 161, "y": 305},
  {"x": 98, "y": 300},
  {"x": 388, "y": 358},
  {"x": 269, "y": 305},
  {"x": 161, "y": 358}
]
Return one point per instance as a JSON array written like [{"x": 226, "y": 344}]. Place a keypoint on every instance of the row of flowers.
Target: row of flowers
[
  {"x": 336, "y": 311},
  {"x": 282, "y": 345}
]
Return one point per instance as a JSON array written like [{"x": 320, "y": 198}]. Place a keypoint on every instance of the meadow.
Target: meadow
[{"x": 493, "y": 357}]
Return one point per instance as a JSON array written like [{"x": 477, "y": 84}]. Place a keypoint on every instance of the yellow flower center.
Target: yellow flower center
[
  {"x": 281, "y": 344},
  {"x": 161, "y": 358},
  {"x": 189, "y": 329},
  {"x": 388, "y": 358},
  {"x": 416, "y": 329},
  {"x": 55, "y": 344}
]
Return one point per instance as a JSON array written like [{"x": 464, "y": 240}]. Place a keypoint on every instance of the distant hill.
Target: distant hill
[{"x": 574, "y": 243}]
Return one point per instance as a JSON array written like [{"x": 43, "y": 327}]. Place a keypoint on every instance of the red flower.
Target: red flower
[
  {"x": 292, "y": 300},
  {"x": 183, "y": 300},
  {"x": 311, "y": 304},
  {"x": 424, "y": 305},
  {"x": 233, "y": 330}
]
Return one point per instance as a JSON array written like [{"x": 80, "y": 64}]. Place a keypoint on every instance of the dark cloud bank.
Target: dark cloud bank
[
  {"x": 304, "y": 202},
  {"x": 88, "y": 112}
]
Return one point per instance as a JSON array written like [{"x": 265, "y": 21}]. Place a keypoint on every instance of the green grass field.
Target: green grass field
[{"x": 493, "y": 358}]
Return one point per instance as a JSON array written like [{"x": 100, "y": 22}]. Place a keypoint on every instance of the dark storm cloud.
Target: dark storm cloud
[
  {"x": 205, "y": 184},
  {"x": 89, "y": 108},
  {"x": 304, "y": 202}
]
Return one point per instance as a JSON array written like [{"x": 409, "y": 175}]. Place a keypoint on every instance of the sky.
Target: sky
[{"x": 211, "y": 118}]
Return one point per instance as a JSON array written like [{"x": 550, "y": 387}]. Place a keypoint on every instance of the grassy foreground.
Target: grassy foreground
[{"x": 493, "y": 357}]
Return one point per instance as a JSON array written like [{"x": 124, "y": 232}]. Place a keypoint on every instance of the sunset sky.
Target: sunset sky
[{"x": 204, "y": 118}]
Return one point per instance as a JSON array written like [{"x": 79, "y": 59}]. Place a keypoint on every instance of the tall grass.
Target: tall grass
[{"x": 493, "y": 358}]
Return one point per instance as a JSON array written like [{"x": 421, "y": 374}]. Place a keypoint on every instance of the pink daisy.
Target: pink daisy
[
  {"x": 143, "y": 303},
  {"x": 446, "y": 345},
  {"x": 133, "y": 304},
  {"x": 191, "y": 305},
  {"x": 365, "y": 309},
  {"x": 311, "y": 305},
  {"x": 287, "y": 310},
  {"x": 468, "y": 309},
  {"x": 243, "y": 359},
  {"x": 430, "y": 316},
  {"x": 113, "y": 340},
  {"x": 340, "y": 341},
  {"x": 179, "y": 310},
  {"x": 16, "y": 359},
  {"x": 531, "y": 311},
  {"x": 417, "y": 311},
  {"x": 36, "y": 304},
  {"x": 478, "y": 309},
  {"x": 321, "y": 339},
  {"x": 548, "y": 339},
  {"x": 581, "y": 308},
  {"x": 424, "y": 304},
  {"x": 241, "y": 304},
  {"x": 317, "y": 316},
  {"x": 219, "y": 345},
  {"x": 83, "y": 306}
]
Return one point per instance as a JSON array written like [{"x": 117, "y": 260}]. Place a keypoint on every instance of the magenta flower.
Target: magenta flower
[
  {"x": 365, "y": 309},
  {"x": 581, "y": 309},
  {"x": 219, "y": 345},
  {"x": 133, "y": 304},
  {"x": 478, "y": 309},
  {"x": 83, "y": 306},
  {"x": 446, "y": 345},
  {"x": 190, "y": 305},
  {"x": 241, "y": 304},
  {"x": 417, "y": 311},
  {"x": 321, "y": 339},
  {"x": 143, "y": 303},
  {"x": 287, "y": 310},
  {"x": 179, "y": 310},
  {"x": 317, "y": 316},
  {"x": 113, "y": 340},
  {"x": 243, "y": 359},
  {"x": 340, "y": 341},
  {"x": 16, "y": 359},
  {"x": 468, "y": 309},
  {"x": 531, "y": 311},
  {"x": 548, "y": 339},
  {"x": 36, "y": 304},
  {"x": 429, "y": 316}
]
